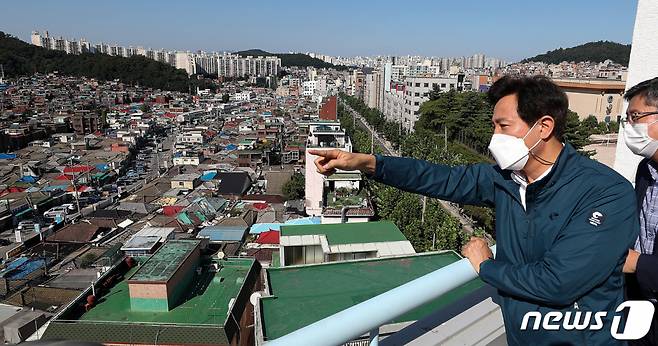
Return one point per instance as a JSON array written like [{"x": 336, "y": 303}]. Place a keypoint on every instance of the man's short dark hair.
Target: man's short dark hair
[
  {"x": 648, "y": 89},
  {"x": 537, "y": 96}
]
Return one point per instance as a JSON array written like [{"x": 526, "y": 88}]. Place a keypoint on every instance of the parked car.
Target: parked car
[{"x": 62, "y": 210}]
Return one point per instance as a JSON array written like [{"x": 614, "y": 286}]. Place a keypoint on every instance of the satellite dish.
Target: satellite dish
[
  {"x": 221, "y": 255},
  {"x": 254, "y": 297}
]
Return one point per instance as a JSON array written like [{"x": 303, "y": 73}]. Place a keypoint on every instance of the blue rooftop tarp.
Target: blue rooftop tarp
[
  {"x": 21, "y": 267},
  {"x": 231, "y": 147},
  {"x": 54, "y": 188},
  {"x": 102, "y": 166},
  {"x": 208, "y": 176},
  {"x": 259, "y": 228},
  {"x": 311, "y": 220},
  {"x": 16, "y": 263},
  {"x": 28, "y": 179},
  {"x": 5, "y": 156},
  {"x": 223, "y": 233}
]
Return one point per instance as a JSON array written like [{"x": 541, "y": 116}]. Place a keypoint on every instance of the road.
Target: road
[{"x": 452, "y": 208}]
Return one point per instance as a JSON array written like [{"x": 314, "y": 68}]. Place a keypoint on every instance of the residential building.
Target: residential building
[
  {"x": 310, "y": 244},
  {"x": 179, "y": 295}
]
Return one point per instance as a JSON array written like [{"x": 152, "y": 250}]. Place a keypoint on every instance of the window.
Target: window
[
  {"x": 417, "y": 84},
  {"x": 426, "y": 85},
  {"x": 443, "y": 85},
  {"x": 452, "y": 85},
  {"x": 417, "y": 94},
  {"x": 416, "y": 103}
]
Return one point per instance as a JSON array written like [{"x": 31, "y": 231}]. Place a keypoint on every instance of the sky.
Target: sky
[{"x": 508, "y": 29}]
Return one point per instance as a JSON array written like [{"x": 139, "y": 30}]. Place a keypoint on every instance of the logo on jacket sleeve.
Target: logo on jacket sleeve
[{"x": 596, "y": 218}]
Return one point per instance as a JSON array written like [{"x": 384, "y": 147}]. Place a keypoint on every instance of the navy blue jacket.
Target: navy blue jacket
[
  {"x": 565, "y": 253},
  {"x": 645, "y": 283}
]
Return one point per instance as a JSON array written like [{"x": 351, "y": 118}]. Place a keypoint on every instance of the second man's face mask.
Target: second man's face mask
[
  {"x": 510, "y": 152},
  {"x": 638, "y": 141}
]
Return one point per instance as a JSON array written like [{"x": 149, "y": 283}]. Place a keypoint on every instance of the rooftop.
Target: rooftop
[
  {"x": 201, "y": 319},
  {"x": 332, "y": 287},
  {"x": 209, "y": 306},
  {"x": 348, "y": 233},
  {"x": 164, "y": 263}
]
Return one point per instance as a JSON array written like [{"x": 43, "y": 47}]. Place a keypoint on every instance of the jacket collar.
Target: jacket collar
[{"x": 559, "y": 174}]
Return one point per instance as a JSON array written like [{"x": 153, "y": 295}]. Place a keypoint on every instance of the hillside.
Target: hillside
[
  {"x": 292, "y": 59},
  {"x": 20, "y": 59},
  {"x": 591, "y": 51}
]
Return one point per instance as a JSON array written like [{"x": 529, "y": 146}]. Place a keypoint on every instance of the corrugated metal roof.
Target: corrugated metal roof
[{"x": 223, "y": 233}]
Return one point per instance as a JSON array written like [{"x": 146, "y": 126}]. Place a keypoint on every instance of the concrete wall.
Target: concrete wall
[
  {"x": 643, "y": 65},
  {"x": 593, "y": 102}
]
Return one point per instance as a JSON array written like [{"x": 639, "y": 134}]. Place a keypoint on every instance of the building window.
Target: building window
[
  {"x": 416, "y": 103},
  {"x": 417, "y": 84},
  {"x": 443, "y": 85},
  {"x": 426, "y": 85}
]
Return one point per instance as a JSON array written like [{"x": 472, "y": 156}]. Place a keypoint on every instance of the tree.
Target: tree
[
  {"x": 20, "y": 58},
  {"x": 294, "y": 188},
  {"x": 591, "y": 51},
  {"x": 589, "y": 126},
  {"x": 574, "y": 133},
  {"x": 225, "y": 98}
]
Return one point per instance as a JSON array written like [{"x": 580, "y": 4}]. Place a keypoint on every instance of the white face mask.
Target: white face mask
[
  {"x": 510, "y": 152},
  {"x": 637, "y": 139}
]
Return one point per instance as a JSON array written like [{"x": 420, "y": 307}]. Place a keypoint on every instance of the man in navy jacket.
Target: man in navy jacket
[
  {"x": 641, "y": 133},
  {"x": 564, "y": 223}
]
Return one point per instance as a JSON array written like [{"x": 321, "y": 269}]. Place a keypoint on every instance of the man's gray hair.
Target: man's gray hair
[{"x": 648, "y": 89}]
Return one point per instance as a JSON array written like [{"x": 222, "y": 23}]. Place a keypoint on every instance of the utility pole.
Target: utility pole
[
  {"x": 75, "y": 188},
  {"x": 422, "y": 217},
  {"x": 2, "y": 81},
  {"x": 75, "y": 193},
  {"x": 434, "y": 240},
  {"x": 157, "y": 155}
]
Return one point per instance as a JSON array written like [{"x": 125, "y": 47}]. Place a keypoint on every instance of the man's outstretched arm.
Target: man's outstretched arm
[{"x": 470, "y": 184}]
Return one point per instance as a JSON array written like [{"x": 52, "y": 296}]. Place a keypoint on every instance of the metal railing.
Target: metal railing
[{"x": 368, "y": 316}]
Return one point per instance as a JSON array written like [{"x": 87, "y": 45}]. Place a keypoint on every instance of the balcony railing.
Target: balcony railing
[{"x": 368, "y": 316}]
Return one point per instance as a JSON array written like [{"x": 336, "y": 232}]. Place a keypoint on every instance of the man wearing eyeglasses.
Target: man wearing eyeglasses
[{"x": 641, "y": 137}]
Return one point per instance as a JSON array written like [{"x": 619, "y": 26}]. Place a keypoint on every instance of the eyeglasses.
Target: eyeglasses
[{"x": 634, "y": 117}]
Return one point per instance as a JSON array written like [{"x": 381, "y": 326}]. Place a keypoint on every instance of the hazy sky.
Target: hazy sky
[{"x": 510, "y": 29}]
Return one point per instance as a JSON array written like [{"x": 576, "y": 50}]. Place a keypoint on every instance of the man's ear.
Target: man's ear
[{"x": 547, "y": 124}]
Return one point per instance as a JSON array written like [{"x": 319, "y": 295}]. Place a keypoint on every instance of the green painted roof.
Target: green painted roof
[
  {"x": 208, "y": 306},
  {"x": 306, "y": 294},
  {"x": 164, "y": 263},
  {"x": 201, "y": 319},
  {"x": 349, "y": 233}
]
